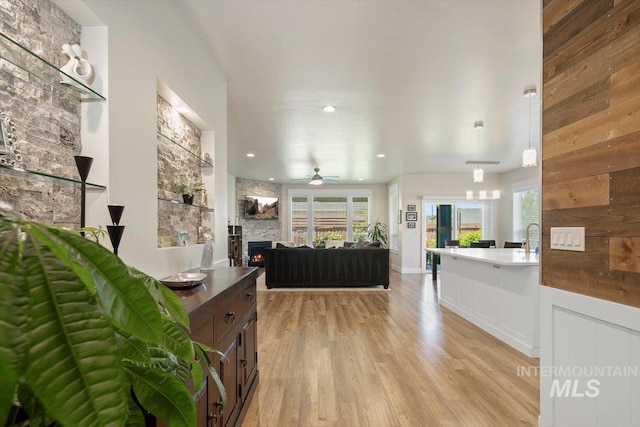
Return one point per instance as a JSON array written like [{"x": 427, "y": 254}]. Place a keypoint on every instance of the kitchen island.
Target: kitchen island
[{"x": 496, "y": 290}]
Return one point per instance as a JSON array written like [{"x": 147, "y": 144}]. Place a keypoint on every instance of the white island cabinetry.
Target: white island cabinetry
[{"x": 495, "y": 289}]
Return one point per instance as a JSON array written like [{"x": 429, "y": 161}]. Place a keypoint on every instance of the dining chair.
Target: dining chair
[
  {"x": 513, "y": 245},
  {"x": 451, "y": 243},
  {"x": 492, "y": 243},
  {"x": 479, "y": 245}
]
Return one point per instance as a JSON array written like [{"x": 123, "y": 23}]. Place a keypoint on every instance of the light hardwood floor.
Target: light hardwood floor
[{"x": 383, "y": 358}]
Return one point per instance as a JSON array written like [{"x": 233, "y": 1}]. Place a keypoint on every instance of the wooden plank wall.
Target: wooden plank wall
[{"x": 591, "y": 145}]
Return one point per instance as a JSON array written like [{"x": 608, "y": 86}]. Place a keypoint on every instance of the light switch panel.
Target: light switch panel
[{"x": 567, "y": 238}]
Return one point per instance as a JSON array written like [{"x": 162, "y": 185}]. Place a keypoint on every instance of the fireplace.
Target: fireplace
[{"x": 256, "y": 253}]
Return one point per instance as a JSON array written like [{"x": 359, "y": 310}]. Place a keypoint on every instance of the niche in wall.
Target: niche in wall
[
  {"x": 181, "y": 162},
  {"x": 46, "y": 116}
]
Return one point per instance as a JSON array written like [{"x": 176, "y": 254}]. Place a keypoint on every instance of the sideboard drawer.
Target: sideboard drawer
[
  {"x": 226, "y": 313},
  {"x": 248, "y": 296}
]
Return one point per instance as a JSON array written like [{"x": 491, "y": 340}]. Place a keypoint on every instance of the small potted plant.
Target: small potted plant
[{"x": 187, "y": 193}]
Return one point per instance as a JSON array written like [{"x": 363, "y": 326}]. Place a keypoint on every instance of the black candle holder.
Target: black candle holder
[
  {"x": 115, "y": 211},
  {"x": 116, "y": 230},
  {"x": 115, "y": 234},
  {"x": 84, "y": 166}
]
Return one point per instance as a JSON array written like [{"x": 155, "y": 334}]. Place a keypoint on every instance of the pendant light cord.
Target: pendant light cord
[
  {"x": 478, "y": 150},
  {"x": 530, "y": 122}
]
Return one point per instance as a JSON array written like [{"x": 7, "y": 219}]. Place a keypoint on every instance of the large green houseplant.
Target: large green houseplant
[
  {"x": 86, "y": 340},
  {"x": 377, "y": 232}
]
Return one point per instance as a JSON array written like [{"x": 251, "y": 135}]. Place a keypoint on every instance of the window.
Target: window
[
  {"x": 329, "y": 219},
  {"x": 394, "y": 217},
  {"x": 299, "y": 220},
  {"x": 319, "y": 215},
  {"x": 526, "y": 209}
]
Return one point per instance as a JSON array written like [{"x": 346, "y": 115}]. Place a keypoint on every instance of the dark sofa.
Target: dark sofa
[{"x": 336, "y": 267}]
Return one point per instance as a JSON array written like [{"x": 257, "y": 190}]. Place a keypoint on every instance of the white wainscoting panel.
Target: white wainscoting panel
[
  {"x": 501, "y": 299},
  {"x": 591, "y": 340}
]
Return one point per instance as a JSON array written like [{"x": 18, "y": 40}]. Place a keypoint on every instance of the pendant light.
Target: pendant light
[
  {"x": 469, "y": 195},
  {"x": 478, "y": 174},
  {"x": 529, "y": 155}
]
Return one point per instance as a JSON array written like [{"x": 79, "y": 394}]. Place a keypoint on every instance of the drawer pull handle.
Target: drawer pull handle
[
  {"x": 244, "y": 363},
  {"x": 250, "y": 295},
  {"x": 231, "y": 316}
]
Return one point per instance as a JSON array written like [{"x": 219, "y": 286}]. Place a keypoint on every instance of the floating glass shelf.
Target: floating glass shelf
[
  {"x": 177, "y": 202},
  {"x": 25, "y": 173},
  {"x": 13, "y": 52},
  {"x": 194, "y": 157}
]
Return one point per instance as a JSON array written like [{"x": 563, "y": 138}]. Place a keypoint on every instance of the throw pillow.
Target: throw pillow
[
  {"x": 280, "y": 245},
  {"x": 374, "y": 244},
  {"x": 348, "y": 244},
  {"x": 361, "y": 244}
]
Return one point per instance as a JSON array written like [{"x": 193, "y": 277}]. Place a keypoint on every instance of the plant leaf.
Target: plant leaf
[
  {"x": 132, "y": 348},
  {"x": 163, "y": 395},
  {"x": 73, "y": 366},
  {"x": 176, "y": 340},
  {"x": 135, "y": 417},
  {"x": 183, "y": 370},
  {"x": 127, "y": 302},
  {"x": 162, "y": 359},
  {"x": 172, "y": 303},
  {"x": 201, "y": 351},
  {"x": 13, "y": 319},
  {"x": 163, "y": 296}
]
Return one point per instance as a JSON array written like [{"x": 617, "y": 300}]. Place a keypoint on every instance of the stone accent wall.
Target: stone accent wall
[
  {"x": 48, "y": 120},
  {"x": 174, "y": 166},
  {"x": 256, "y": 230}
]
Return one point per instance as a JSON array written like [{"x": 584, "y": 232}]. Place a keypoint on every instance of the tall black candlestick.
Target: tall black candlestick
[
  {"x": 115, "y": 230},
  {"x": 84, "y": 166}
]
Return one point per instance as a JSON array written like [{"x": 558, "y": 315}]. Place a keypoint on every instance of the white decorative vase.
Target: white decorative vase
[
  {"x": 77, "y": 67},
  {"x": 207, "y": 255}
]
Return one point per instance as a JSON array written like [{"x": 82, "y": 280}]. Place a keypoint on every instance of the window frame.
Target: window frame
[
  {"x": 311, "y": 193},
  {"x": 516, "y": 219}
]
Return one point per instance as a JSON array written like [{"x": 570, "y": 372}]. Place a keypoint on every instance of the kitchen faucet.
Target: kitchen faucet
[{"x": 527, "y": 245}]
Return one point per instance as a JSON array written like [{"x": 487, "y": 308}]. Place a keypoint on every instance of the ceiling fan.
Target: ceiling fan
[{"x": 318, "y": 179}]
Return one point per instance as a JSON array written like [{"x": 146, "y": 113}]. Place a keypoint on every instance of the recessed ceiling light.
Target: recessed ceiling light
[
  {"x": 328, "y": 108},
  {"x": 250, "y": 155},
  {"x": 272, "y": 179},
  {"x": 360, "y": 179},
  {"x": 381, "y": 155}
]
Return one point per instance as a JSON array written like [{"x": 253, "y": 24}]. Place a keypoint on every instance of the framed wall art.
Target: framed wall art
[{"x": 412, "y": 216}]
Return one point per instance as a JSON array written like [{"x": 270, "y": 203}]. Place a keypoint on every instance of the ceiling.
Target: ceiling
[{"x": 408, "y": 80}]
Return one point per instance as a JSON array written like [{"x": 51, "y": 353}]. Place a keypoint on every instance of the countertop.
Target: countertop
[{"x": 495, "y": 256}]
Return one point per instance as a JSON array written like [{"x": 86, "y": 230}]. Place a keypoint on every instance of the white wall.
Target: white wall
[
  {"x": 145, "y": 43},
  {"x": 232, "y": 213}
]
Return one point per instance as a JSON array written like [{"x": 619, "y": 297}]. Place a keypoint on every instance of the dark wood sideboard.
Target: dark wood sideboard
[{"x": 223, "y": 315}]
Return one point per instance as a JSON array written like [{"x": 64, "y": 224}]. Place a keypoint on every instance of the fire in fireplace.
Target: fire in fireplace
[{"x": 256, "y": 253}]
